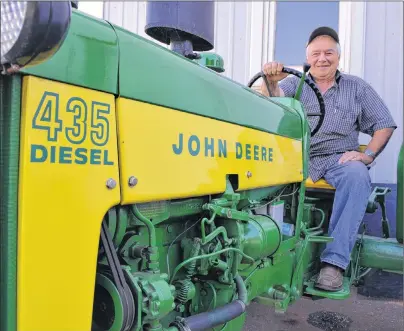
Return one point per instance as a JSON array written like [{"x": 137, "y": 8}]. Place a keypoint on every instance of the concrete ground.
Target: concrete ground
[{"x": 377, "y": 306}]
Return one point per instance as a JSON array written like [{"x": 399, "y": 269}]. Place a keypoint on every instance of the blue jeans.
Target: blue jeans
[{"x": 353, "y": 188}]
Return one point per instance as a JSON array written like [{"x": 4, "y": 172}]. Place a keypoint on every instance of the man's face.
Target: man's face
[{"x": 323, "y": 57}]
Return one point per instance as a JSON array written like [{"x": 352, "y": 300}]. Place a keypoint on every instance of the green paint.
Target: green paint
[
  {"x": 10, "y": 99},
  {"x": 159, "y": 293},
  {"x": 400, "y": 196},
  {"x": 338, "y": 295},
  {"x": 161, "y": 211},
  {"x": 266, "y": 276},
  {"x": 382, "y": 253},
  {"x": 88, "y": 56},
  {"x": 212, "y": 61},
  {"x": 154, "y": 74},
  {"x": 104, "y": 283},
  {"x": 262, "y": 237}
]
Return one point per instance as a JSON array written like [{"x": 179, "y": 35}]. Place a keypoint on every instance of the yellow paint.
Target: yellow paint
[
  {"x": 320, "y": 184},
  {"x": 146, "y": 137},
  {"x": 61, "y": 207}
]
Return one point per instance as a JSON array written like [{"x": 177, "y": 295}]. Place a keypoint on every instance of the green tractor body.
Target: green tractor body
[{"x": 143, "y": 190}]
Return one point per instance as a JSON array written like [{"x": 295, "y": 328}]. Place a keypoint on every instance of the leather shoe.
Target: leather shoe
[{"x": 330, "y": 278}]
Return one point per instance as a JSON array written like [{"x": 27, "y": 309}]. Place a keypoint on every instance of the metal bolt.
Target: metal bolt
[
  {"x": 111, "y": 183},
  {"x": 249, "y": 174},
  {"x": 132, "y": 181},
  {"x": 169, "y": 228}
]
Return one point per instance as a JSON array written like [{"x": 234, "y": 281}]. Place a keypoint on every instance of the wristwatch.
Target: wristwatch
[{"x": 368, "y": 152}]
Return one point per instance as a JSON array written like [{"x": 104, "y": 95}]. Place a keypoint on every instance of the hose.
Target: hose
[
  {"x": 218, "y": 316},
  {"x": 152, "y": 260},
  {"x": 241, "y": 289},
  {"x": 186, "y": 285},
  {"x": 207, "y": 256},
  {"x": 148, "y": 224},
  {"x": 321, "y": 222}
]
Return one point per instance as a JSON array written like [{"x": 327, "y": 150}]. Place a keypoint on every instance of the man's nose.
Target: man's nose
[{"x": 322, "y": 57}]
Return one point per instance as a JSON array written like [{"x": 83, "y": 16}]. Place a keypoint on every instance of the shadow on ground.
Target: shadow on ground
[{"x": 382, "y": 285}]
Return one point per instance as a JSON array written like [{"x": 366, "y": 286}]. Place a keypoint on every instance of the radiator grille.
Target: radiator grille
[{"x": 10, "y": 105}]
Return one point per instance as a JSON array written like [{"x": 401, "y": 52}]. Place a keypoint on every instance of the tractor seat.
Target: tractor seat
[{"x": 320, "y": 184}]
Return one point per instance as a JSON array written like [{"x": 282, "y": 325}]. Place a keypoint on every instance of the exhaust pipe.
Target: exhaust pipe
[{"x": 218, "y": 316}]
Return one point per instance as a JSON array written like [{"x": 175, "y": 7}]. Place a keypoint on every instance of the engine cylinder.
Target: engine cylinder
[{"x": 262, "y": 237}]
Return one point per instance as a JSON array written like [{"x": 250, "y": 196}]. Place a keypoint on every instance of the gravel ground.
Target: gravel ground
[{"x": 358, "y": 313}]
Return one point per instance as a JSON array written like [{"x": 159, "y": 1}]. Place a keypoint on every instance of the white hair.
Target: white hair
[{"x": 338, "y": 49}]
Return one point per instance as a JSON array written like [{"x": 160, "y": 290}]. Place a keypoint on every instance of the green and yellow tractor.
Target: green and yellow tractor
[{"x": 143, "y": 190}]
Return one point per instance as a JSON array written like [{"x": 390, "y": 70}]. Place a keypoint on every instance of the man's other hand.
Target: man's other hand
[
  {"x": 355, "y": 156},
  {"x": 273, "y": 71}
]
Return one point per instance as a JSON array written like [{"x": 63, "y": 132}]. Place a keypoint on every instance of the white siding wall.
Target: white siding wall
[
  {"x": 129, "y": 14},
  {"x": 371, "y": 35},
  {"x": 383, "y": 69}
]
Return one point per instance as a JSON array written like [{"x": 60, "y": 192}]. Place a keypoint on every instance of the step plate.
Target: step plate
[{"x": 339, "y": 295}]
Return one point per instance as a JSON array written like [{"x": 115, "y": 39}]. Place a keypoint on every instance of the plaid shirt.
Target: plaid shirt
[{"x": 351, "y": 106}]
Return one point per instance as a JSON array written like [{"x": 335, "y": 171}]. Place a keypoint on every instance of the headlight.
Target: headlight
[{"x": 32, "y": 31}]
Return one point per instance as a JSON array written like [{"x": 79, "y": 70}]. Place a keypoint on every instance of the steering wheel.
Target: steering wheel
[{"x": 307, "y": 80}]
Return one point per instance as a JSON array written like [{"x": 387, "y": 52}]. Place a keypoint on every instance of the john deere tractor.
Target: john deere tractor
[{"x": 143, "y": 190}]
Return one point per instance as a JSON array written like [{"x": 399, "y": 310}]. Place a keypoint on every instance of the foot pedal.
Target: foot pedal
[{"x": 342, "y": 294}]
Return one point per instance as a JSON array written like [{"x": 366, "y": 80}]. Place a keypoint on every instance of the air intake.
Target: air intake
[{"x": 186, "y": 26}]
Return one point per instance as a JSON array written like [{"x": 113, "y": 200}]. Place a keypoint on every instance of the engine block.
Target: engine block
[{"x": 182, "y": 257}]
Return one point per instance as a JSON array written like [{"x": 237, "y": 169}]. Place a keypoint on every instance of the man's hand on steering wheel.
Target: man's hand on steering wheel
[{"x": 273, "y": 71}]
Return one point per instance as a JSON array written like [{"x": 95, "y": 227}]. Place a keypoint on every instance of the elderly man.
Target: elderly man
[{"x": 352, "y": 106}]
